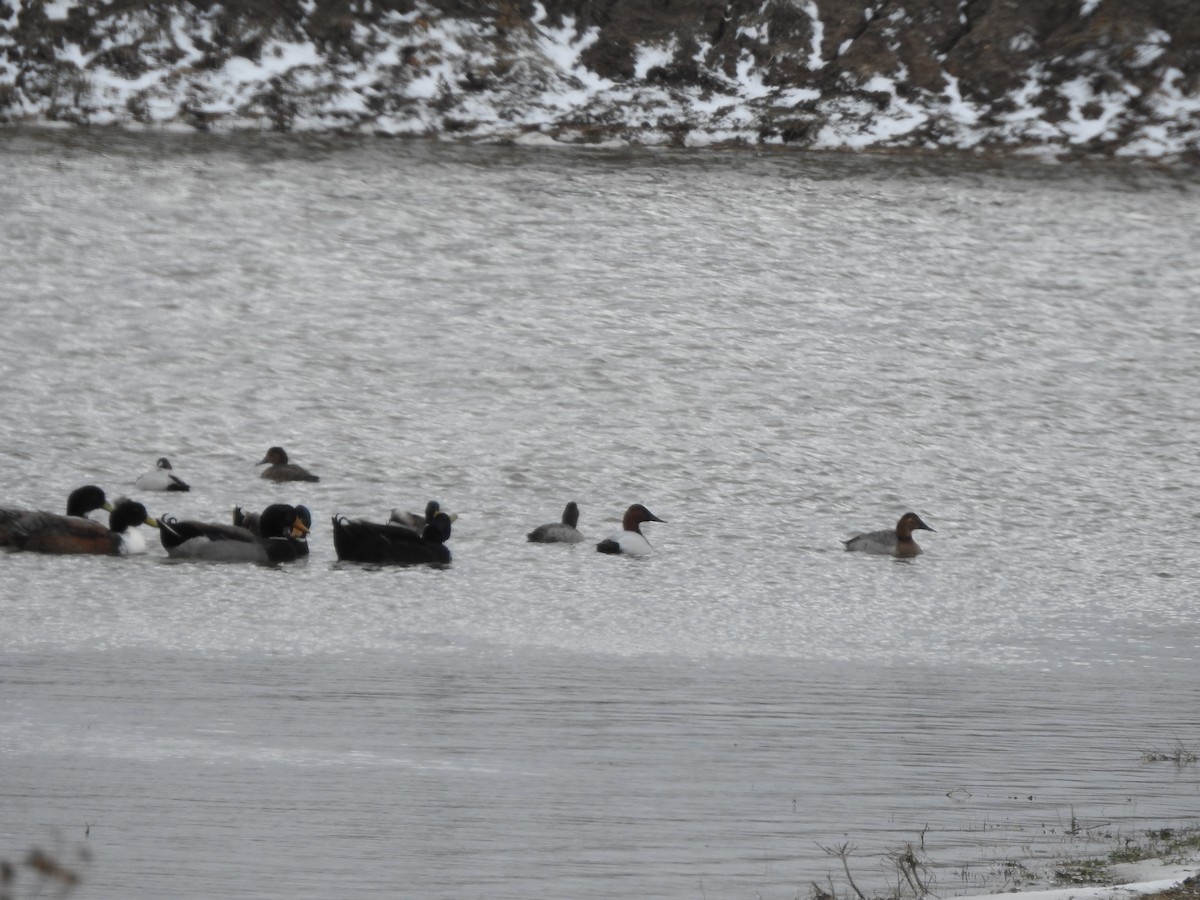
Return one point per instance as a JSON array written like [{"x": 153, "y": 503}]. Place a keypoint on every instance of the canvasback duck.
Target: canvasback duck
[
  {"x": 630, "y": 539},
  {"x": 891, "y": 542},
  {"x": 80, "y": 502},
  {"x": 161, "y": 478},
  {"x": 415, "y": 521},
  {"x": 279, "y": 469},
  {"x": 564, "y": 532},
  {"x": 281, "y": 531},
  {"x": 356, "y": 540},
  {"x": 40, "y": 532}
]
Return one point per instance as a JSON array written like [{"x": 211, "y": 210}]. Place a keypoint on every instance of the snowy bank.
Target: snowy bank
[{"x": 1107, "y": 78}]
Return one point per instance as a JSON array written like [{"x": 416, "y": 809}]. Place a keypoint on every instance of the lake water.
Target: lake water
[{"x": 772, "y": 352}]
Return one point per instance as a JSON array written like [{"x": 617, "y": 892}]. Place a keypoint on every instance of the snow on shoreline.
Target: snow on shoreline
[
  {"x": 1150, "y": 876},
  {"x": 422, "y": 73}
]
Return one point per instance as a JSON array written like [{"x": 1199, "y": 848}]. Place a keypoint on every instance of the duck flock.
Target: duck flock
[{"x": 279, "y": 533}]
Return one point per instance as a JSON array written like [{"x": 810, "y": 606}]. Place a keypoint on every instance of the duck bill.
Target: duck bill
[
  {"x": 151, "y": 521},
  {"x": 299, "y": 529}
]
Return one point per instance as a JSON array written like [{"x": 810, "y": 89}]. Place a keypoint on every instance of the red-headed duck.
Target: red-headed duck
[
  {"x": 80, "y": 502},
  {"x": 161, "y": 478},
  {"x": 630, "y": 538},
  {"x": 41, "y": 532},
  {"x": 281, "y": 532},
  {"x": 356, "y": 540},
  {"x": 897, "y": 542},
  {"x": 279, "y": 469},
  {"x": 564, "y": 532}
]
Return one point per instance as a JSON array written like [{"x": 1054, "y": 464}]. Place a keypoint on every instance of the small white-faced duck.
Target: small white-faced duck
[
  {"x": 279, "y": 469},
  {"x": 563, "y": 532},
  {"x": 891, "y": 542},
  {"x": 161, "y": 478},
  {"x": 356, "y": 540},
  {"x": 41, "y": 532},
  {"x": 629, "y": 539},
  {"x": 281, "y": 537}
]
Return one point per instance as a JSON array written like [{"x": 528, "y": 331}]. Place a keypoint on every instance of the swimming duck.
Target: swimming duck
[
  {"x": 359, "y": 541},
  {"x": 280, "y": 531},
  {"x": 80, "y": 502},
  {"x": 279, "y": 469},
  {"x": 888, "y": 542},
  {"x": 161, "y": 478},
  {"x": 250, "y": 521},
  {"x": 563, "y": 532},
  {"x": 41, "y": 532},
  {"x": 415, "y": 521},
  {"x": 630, "y": 538}
]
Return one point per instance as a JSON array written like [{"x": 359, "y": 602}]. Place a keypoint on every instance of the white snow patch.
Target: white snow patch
[
  {"x": 814, "y": 57},
  {"x": 957, "y": 108},
  {"x": 1155, "y": 46},
  {"x": 1019, "y": 43},
  {"x": 649, "y": 57},
  {"x": 57, "y": 10},
  {"x": 1105, "y": 110},
  {"x": 1087, "y": 7}
]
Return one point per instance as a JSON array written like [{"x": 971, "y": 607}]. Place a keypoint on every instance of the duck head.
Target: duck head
[
  {"x": 128, "y": 513},
  {"x": 85, "y": 499}
]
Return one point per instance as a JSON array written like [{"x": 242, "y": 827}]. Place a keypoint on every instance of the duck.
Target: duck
[
  {"x": 250, "y": 521},
  {"x": 629, "y": 539},
  {"x": 41, "y": 532},
  {"x": 279, "y": 469},
  {"x": 891, "y": 542},
  {"x": 161, "y": 478},
  {"x": 80, "y": 502},
  {"x": 563, "y": 532},
  {"x": 356, "y": 540},
  {"x": 417, "y": 522},
  {"x": 280, "y": 531}
]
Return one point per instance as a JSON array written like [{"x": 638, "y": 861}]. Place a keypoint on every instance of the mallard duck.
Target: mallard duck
[
  {"x": 889, "y": 542},
  {"x": 356, "y": 540},
  {"x": 80, "y": 502},
  {"x": 250, "y": 521},
  {"x": 563, "y": 532},
  {"x": 280, "y": 531},
  {"x": 279, "y": 469},
  {"x": 42, "y": 532},
  {"x": 161, "y": 478},
  {"x": 630, "y": 538}
]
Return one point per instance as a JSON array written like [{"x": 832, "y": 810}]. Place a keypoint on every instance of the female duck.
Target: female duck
[
  {"x": 630, "y": 539},
  {"x": 41, "y": 532},
  {"x": 281, "y": 531},
  {"x": 80, "y": 502},
  {"x": 564, "y": 532},
  {"x": 161, "y": 478},
  {"x": 415, "y": 521},
  {"x": 279, "y": 469},
  {"x": 370, "y": 542},
  {"x": 898, "y": 542}
]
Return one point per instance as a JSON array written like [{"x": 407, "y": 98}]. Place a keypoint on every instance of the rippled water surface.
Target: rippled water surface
[{"x": 771, "y": 352}]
